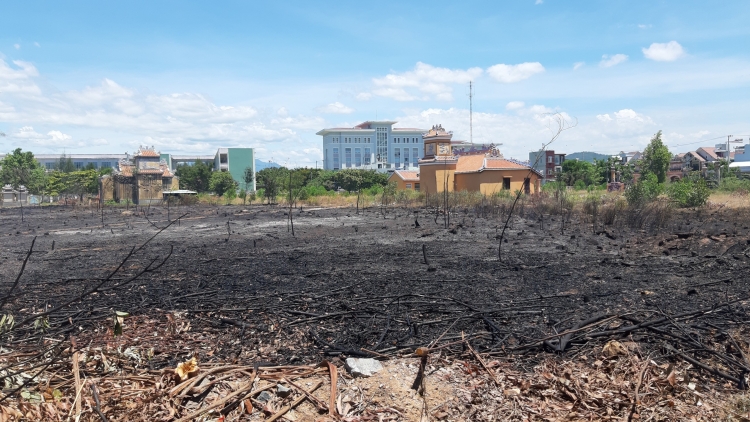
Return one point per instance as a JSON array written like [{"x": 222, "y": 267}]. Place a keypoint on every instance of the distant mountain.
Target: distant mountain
[
  {"x": 260, "y": 165},
  {"x": 586, "y": 156}
]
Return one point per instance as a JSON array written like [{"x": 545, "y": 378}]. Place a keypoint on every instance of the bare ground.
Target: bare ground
[{"x": 657, "y": 318}]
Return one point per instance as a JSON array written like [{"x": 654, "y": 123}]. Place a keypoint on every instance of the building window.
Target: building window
[
  {"x": 397, "y": 156},
  {"x": 382, "y": 145},
  {"x": 358, "y": 157},
  {"x": 416, "y": 187},
  {"x": 335, "y": 158},
  {"x": 506, "y": 183},
  {"x": 49, "y": 166},
  {"x": 557, "y": 159},
  {"x": 367, "y": 156},
  {"x": 408, "y": 186},
  {"x": 348, "y": 156},
  {"x": 326, "y": 163},
  {"x": 106, "y": 164},
  {"x": 406, "y": 157},
  {"x": 549, "y": 159},
  {"x": 79, "y": 165},
  {"x": 415, "y": 155}
]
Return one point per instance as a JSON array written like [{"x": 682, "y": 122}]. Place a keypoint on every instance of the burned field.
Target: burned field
[{"x": 232, "y": 287}]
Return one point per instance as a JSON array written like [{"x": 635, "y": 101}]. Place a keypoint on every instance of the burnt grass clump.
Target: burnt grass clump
[{"x": 357, "y": 284}]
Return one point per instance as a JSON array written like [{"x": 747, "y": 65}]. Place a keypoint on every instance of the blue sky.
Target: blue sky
[{"x": 193, "y": 76}]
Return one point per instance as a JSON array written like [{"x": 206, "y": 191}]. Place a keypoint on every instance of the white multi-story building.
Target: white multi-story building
[{"x": 372, "y": 145}]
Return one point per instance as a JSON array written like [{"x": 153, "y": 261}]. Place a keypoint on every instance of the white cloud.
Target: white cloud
[
  {"x": 430, "y": 81},
  {"x": 539, "y": 2},
  {"x": 27, "y": 134},
  {"x": 514, "y": 105},
  {"x": 644, "y": 26},
  {"x": 700, "y": 133},
  {"x": 578, "y": 65},
  {"x": 514, "y": 73},
  {"x": 609, "y": 61},
  {"x": 58, "y": 136},
  {"x": 664, "y": 52},
  {"x": 364, "y": 96},
  {"x": 626, "y": 117},
  {"x": 335, "y": 108},
  {"x": 37, "y": 44},
  {"x": 17, "y": 46}
]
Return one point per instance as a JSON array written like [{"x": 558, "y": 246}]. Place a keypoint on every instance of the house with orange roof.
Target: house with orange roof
[
  {"x": 489, "y": 173},
  {"x": 405, "y": 179}
]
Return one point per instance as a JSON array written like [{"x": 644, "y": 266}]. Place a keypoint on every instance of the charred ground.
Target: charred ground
[{"x": 356, "y": 284}]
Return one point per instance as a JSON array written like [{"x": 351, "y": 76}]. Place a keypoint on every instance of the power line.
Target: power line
[{"x": 704, "y": 140}]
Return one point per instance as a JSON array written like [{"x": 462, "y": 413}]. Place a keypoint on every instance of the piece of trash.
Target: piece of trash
[
  {"x": 363, "y": 367},
  {"x": 187, "y": 369}
]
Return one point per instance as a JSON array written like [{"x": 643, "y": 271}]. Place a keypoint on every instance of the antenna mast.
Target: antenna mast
[{"x": 471, "y": 117}]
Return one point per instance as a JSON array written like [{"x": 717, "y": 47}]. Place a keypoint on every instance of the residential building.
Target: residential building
[
  {"x": 547, "y": 163},
  {"x": 488, "y": 173},
  {"x": 405, "y": 179},
  {"x": 627, "y": 157},
  {"x": 372, "y": 145}
]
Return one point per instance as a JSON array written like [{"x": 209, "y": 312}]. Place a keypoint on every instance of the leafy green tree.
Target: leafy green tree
[
  {"x": 222, "y": 183},
  {"x": 248, "y": 177},
  {"x": 196, "y": 177},
  {"x": 656, "y": 158},
  {"x": 574, "y": 171},
  {"x": 20, "y": 168},
  {"x": 271, "y": 180}
]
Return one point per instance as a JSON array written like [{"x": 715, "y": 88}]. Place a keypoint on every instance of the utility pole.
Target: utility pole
[{"x": 471, "y": 115}]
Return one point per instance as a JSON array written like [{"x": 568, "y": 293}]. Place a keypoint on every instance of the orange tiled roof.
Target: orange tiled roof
[
  {"x": 469, "y": 163},
  {"x": 477, "y": 163},
  {"x": 147, "y": 152},
  {"x": 126, "y": 170},
  {"x": 407, "y": 175},
  {"x": 499, "y": 163}
]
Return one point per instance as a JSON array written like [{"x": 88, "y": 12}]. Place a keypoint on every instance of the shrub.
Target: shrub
[
  {"x": 645, "y": 190},
  {"x": 580, "y": 185},
  {"x": 689, "y": 193}
]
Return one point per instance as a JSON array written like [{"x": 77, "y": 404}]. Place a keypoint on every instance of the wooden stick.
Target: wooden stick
[
  {"x": 481, "y": 361},
  {"x": 319, "y": 403},
  {"x": 334, "y": 382},
  {"x": 294, "y": 404},
  {"x": 218, "y": 403},
  {"x": 77, "y": 376}
]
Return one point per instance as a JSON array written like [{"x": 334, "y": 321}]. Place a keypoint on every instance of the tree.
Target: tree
[
  {"x": 196, "y": 177},
  {"x": 579, "y": 172},
  {"x": 20, "y": 168},
  {"x": 656, "y": 158},
  {"x": 271, "y": 180},
  {"x": 65, "y": 164},
  {"x": 248, "y": 177},
  {"x": 222, "y": 183}
]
